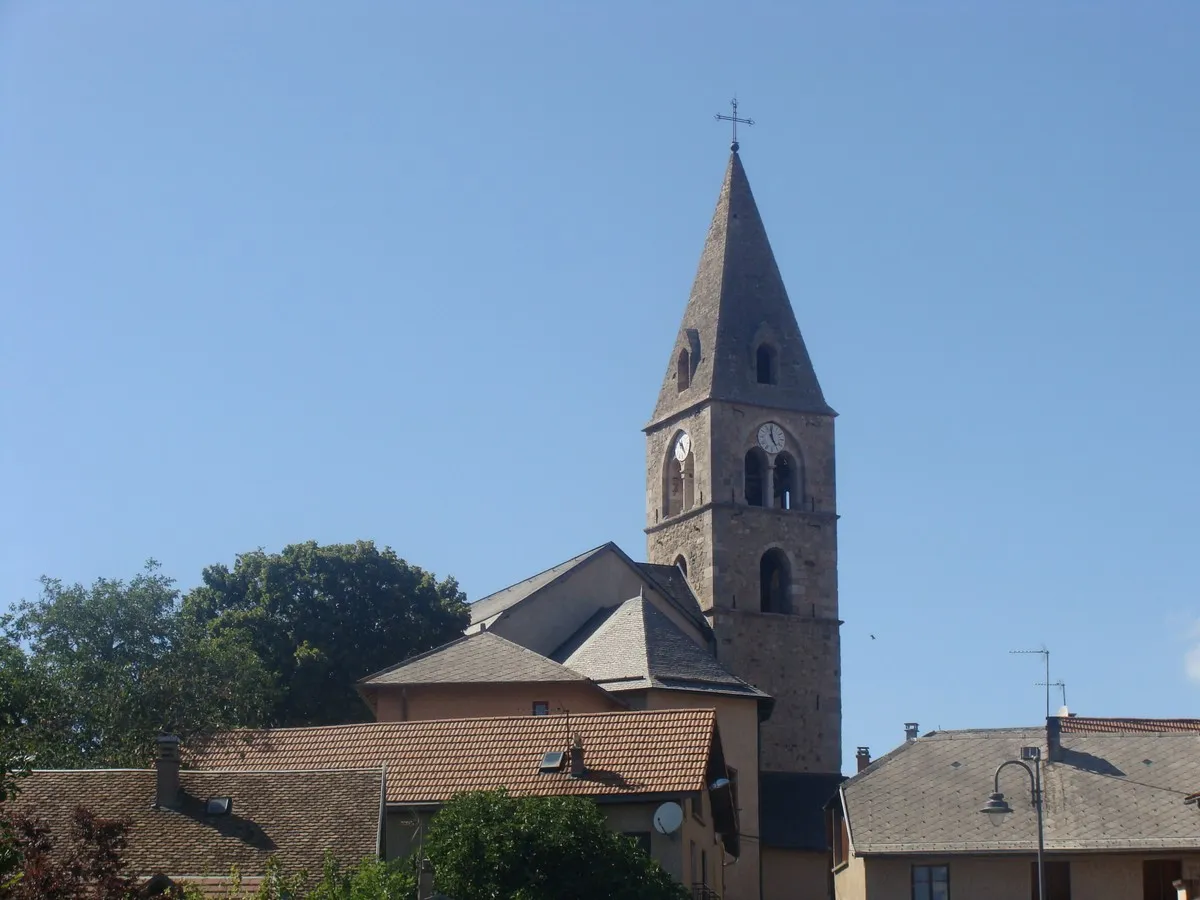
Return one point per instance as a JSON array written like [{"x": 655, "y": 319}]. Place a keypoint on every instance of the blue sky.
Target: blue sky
[{"x": 411, "y": 272}]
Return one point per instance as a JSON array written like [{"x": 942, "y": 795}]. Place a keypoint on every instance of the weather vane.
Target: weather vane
[{"x": 735, "y": 120}]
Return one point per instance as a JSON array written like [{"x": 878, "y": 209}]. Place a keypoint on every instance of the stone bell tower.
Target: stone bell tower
[{"x": 740, "y": 485}]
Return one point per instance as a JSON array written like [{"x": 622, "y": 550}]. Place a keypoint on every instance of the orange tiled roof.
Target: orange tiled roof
[
  {"x": 1081, "y": 725},
  {"x": 635, "y": 752}
]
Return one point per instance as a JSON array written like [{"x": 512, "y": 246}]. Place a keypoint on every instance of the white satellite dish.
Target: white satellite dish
[{"x": 668, "y": 818}]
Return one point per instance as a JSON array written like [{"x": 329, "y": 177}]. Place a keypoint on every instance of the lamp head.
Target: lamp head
[{"x": 996, "y": 808}]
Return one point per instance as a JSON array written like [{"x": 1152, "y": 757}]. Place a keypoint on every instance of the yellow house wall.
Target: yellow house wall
[
  {"x": 1093, "y": 876},
  {"x": 737, "y": 720},
  {"x": 467, "y": 701},
  {"x": 795, "y": 874}
]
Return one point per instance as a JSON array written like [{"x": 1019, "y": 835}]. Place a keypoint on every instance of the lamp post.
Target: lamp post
[{"x": 997, "y": 807}]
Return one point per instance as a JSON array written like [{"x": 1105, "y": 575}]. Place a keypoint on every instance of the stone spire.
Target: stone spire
[{"x": 738, "y": 303}]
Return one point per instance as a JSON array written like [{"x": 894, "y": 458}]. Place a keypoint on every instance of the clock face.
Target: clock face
[
  {"x": 770, "y": 437},
  {"x": 683, "y": 446}
]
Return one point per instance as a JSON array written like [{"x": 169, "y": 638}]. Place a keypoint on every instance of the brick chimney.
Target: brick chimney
[
  {"x": 1054, "y": 738},
  {"x": 166, "y": 768},
  {"x": 910, "y": 731},
  {"x": 864, "y": 757},
  {"x": 578, "y": 770}
]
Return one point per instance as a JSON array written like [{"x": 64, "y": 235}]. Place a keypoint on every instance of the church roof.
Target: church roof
[
  {"x": 481, "y": 658},
  {"x": 738, "y": 301},
  {"x": 496, "y": 603},
  {"x": 636, "y": 646},
  {"x": 666, "y": 580}
]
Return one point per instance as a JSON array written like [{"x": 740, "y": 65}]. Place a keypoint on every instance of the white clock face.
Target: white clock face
[
  {"x": 683, "y": 446},
  {"x": 770, "y": 437}
]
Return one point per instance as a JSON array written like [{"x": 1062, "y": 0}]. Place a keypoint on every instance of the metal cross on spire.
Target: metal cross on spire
[{"x": 735, "y": 120}]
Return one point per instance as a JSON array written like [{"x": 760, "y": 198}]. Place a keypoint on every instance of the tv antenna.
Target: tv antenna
[
  {"x": 1061, "y": 685},
  {"x": 1046, "y": 659}
]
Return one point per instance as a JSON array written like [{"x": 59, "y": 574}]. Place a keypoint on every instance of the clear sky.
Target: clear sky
[{"x": 278, "y": 271}]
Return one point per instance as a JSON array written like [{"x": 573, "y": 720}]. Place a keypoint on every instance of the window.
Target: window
[
  {"x": 930, "y": 883},
  {"x": 1157, "y": 875},
  {"x": 774, "y": 583},
  {"x": 756, "y": 466},
  {"x": 641, "y": 838},
  {"x": 541, "y": 708},
  {"x": 683, "y": 371},
  {"x": 681, "y": 564},
  {"x": 765, "y": 360},
  {"x": 1058, "y": 881}
]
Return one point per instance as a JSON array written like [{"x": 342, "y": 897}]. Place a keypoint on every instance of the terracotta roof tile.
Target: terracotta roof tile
[
  {"x": 293, "y": 815},
  {"x": 1079, "y": 725},
  {"x": 637, "y": 752}
]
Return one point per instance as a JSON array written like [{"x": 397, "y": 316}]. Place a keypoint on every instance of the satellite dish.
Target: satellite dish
[{"x": 668, "y": 818}]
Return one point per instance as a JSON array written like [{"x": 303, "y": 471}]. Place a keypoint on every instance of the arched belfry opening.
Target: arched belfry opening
[
  {"x": 775, "y": 582},
  {"x": 766, "y": 364},
  {"x": 787, "y": 483},
  {"x": 683, "y": 371},
  {"x": 681, "y": 564},
  {"x": 756, "y": 477},
  {"x": 679, "y": 477}
]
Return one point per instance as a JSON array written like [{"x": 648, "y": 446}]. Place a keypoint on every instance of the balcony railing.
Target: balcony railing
[{"x": 704, "y": 892}]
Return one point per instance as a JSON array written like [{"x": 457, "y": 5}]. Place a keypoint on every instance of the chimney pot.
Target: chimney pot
[
  {"x": 578, "y": 770},
  {"x": 166, "y": 768},
  {"x": 910, "y": 731},
  {"x": 864, "y": 757}
]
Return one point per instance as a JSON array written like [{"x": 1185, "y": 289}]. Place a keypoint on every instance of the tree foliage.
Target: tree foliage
[
  {"x": 110, "y": 666},
  {"x": 492, "y": 846},
  {"x": 322, "y": 617},
  {"x": 88, "y": 866}
]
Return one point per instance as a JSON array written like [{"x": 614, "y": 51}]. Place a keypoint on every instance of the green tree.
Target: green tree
[
  {"x": 110, "y": 666},
  {"x": 492, "y": 846},
  {"x": 322, "y": 617}
]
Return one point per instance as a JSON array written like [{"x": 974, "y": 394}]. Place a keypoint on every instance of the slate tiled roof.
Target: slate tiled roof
[
  {"x": 674, "y": 585},
  {"x": 626, "y": 753},
  {"x": 638, "y": 646},
  {"x": 293, "y": 815},
  {"x": 480, "y": 658},
  {"x": 737, "y": 291},
  {"x": 492, "y": 604},
  {"x": 1105, "y": 791}
]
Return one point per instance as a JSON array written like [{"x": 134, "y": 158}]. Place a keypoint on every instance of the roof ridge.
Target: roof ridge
[
  {"x": 426, "y": 722},
  {"x": 577, "y": 557}
]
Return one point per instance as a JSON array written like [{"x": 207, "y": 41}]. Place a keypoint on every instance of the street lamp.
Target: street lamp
[{"x": 997, "y": 807}]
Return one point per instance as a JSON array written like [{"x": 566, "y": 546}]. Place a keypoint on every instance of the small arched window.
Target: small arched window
[
  {"x": 786, "y": 496},
  {"x": 766, "y": 362},
  {"x": 756, "y": 471},
  {"x": 775, "y": 582},
  {"x": 683, "y": 371},
  {"x": 673, "y": 493},
  {"x": 681, "y": 564}
]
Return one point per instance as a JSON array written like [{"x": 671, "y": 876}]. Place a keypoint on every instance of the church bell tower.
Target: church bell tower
[{"x": 740, "y": 485}]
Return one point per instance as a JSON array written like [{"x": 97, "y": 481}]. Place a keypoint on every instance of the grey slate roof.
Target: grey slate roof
[
  {"x": 737, "y": 292},
  {"x": 637, "y": 646},
  {"x": 482, "y": 658},
  {"x": 672, "y": 583},
  {"x": 1115, "y": 791},
  {"x": 492, "y": 604}
]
